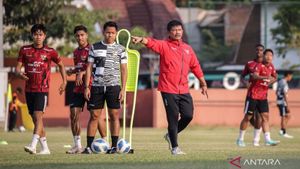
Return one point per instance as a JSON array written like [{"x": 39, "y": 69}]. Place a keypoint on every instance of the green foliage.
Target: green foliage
[
  {"x": 21, "y": 14},
  {"x": 59, "y": 18},
  {"x": 207, "y": 4},
  {"x": 88, "y": 19},
  {"x": 287, "y": 34},
  {"x": 135, "y": 31},
  {"x": 214, "y": 50}
]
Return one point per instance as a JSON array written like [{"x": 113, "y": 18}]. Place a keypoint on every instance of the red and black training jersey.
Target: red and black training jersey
[
  {"x": 80, "y": 56},
  {"x": 259, "y": 88},
  {"x": 248, "y": 70},
  {"x": 37, "y": 64}
]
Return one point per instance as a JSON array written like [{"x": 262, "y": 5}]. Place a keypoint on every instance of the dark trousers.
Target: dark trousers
[
  {"x": 176, "y": 104},
  {"x": 12, "y": 120}
]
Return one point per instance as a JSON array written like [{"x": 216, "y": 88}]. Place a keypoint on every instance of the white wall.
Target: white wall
[{"x": 3, "y": 90}]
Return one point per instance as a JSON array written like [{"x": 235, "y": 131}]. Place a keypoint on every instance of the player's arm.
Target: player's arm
[
  {"x": 138, "y": 39},
  {"x": 256, "y": 76},
  {"x": 87, "y": 80},
  {"x": 79, "y": 76},
  {"x": 151, "y": 43},
  {"x": 245, "y": 72},
  {"x": 197, "y": 70},
  {"x": 19, "y": 73},
  {"x": 62, "y": 72},
  {"x": 285, "y": 97},
  {"x": 273, "y": 77},
  {"x": 123, "y": 80}
]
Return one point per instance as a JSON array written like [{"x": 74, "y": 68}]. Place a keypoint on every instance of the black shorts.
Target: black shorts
[
  {"x": 283, "y": 110},
  {"x": 261, "y": 106},
  {"x": 101, "y": 94},
  {"x": 178, "y": 103},
  {"x": 36, "y": 101},
  {"x": 247, "y": 105},
  {"x": 78, "y": 100}
]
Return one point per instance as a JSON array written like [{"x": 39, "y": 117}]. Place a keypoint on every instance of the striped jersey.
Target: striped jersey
[
  {"x": 282, "y": 88},
  {"x": 106, "y": 60}
]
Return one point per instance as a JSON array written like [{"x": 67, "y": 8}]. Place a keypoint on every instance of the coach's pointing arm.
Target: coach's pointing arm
[{"x": 151, "y": 43}]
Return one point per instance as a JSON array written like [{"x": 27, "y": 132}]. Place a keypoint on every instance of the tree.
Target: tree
[
  {"x": 59, "y": 18},
  {"x": 287, "y": 33},
  {"x": 135, "y": 31},
  {"x": 214, "y": 50},
  {"x": 90, "y": 19},
  {"x": 21, "y": 14}
]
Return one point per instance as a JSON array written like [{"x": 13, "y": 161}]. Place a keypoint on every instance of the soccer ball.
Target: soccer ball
[
  {"x": 100, "y": 146},
  {"x": 123, "y": 146}
]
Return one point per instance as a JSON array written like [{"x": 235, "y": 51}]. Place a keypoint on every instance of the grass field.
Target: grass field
[{"x": 206, "y": 147}]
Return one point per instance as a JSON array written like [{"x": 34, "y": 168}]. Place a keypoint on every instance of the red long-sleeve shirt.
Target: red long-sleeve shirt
[{"x": 176, "y": 60}]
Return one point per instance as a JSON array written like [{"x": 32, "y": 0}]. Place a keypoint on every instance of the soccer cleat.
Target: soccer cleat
[
  {"x": 30, "y": 149},
  {"x": 113, "y": 150},
  {"x": 177, "y": 151},
  {"x": 240, "y": 143},
  {"x": 44, "y": 152},
  {"x": 287, "y": 136},
  {"x": 87, "y": 150},
  {"x": 256, "y": 143},
  {"x": 272, "y": 143},
  {"x": 167, "y": 138},
  {"x": 280, "y": 132},
  {"x": 74, "y": 150}
]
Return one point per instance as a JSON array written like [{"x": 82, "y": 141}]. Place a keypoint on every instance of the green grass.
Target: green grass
[{"x": 206, "y": 147}]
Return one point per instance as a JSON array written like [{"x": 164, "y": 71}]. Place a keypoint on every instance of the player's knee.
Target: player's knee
[
  {"x": 247, "y": 117},
  {"x": 74, "y": 115},
  {"x": 188, "y": 117},
  {"x": 265, "y": 118},
  {"x": 114, "y": 118},
  {"x": 94, "y": 116},
  {"x": 172, "y": 128}
]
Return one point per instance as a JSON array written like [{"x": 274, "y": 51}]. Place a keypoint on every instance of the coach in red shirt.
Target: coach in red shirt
[
  {"x": 176, "y": 60},
  {"x": 36, "y": 59}
]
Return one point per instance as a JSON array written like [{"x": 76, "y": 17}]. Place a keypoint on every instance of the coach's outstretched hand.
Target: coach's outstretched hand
[{"x": 137, "y": 39}]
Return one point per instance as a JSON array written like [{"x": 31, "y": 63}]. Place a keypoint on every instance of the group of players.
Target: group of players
[
  {"x": 99, "y": 69},
  {"x": 262, "y": 74},
  {"x": 101, "y": 73}
]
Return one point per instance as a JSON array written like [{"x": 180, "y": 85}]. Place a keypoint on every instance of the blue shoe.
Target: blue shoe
[
  {"x": 113, "y": 150},
  {"x": 272, "y": 143},
  {"x": 240, "y": 143}
]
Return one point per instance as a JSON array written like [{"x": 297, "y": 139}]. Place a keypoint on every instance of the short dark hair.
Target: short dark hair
[
  {"x": 268, "y": 50},
  {"x": 173, "y": 23},
  {"x": 259, "y": 45},
  {"x": 110, "y": 24},
  {"x": 80, "y": 28},
  {"x": 37, "y": 27},
  {"x": 287, "y": 73}
]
